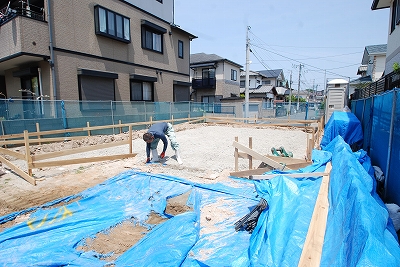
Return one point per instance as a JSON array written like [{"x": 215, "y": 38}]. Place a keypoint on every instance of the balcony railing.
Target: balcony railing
[
  {"x": 7, "y": 14},
  {"x": 203, "y": 83},
  {"x": 385, "y": 83}
]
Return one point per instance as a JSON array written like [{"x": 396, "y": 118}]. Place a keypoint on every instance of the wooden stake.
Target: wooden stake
[
  {"x": 88, "y": 125},
  {"x": 38, "y": 130},
  {"x": 250, "y": 157},
  {"x": 236, "y": 155},
  {"x": 28, "y": 157}
]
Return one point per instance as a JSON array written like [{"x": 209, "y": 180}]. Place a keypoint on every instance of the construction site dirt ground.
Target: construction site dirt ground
[{"x": 206, "y": 150}]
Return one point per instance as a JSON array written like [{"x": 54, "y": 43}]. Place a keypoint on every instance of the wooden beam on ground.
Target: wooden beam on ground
[
  {"x": 291, "y": 175},
  {"x": 287, "y": 160},
  {"x": 80, "y": 160},
  {"x": 257, "y": 156},
  {"x": 248, "y": 173},
  {"x": 78, "y": 150},
  {"x": 14, "y": 154},
  {"x": 18, "y": 171},
  {"x": 312, "y": 249}
]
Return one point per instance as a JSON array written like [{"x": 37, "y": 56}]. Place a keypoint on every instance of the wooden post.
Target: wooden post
[
  {"x": 38, "y": 130},
  {"x": 250, "y": 157},
  {"x": 28, "y": 157},
  {"x": 236, "y": 155},
  {"x": 88, "y": 125},
  {"x": 130, "y": 139},
  {"x": 120, "y": 128}
]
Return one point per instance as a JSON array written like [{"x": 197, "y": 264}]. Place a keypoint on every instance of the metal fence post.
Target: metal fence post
[{"x": 392, "y": 119}]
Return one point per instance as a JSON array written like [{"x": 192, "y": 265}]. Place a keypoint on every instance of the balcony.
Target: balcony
[
  {"x": 8, "y": 13},
  {"x": 203, "y": 83},
  {"x": 23, "y": 33},
  {"x": 384, "y": 84}
]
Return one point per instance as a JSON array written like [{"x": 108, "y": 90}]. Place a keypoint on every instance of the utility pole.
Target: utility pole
[
  {"x": 298, "y": 89},
  {"x": 246, "y": 94},
  {"x": 290, "y": 94}
]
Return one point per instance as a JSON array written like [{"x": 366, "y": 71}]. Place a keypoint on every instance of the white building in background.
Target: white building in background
[{"x": 336, "y": 96}]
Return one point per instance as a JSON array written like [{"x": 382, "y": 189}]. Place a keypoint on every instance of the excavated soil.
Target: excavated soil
[{"x": 206, "y": 150}]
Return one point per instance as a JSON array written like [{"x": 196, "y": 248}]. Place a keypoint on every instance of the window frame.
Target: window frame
[
  {"x": 149, "y": 33},
  {"x": 109, "y": 28},
  {"x": 180, "y": 49},
  {"x": 141, "y": 82},
  {"x": 233, "y": 75}
]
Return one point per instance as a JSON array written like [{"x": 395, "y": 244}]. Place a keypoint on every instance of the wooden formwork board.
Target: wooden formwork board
[
  {"x": 312, "y": 249},
  {"x": 34, "y": 161}
]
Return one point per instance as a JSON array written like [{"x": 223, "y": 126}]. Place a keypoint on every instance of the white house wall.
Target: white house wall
[
  {"x": 164, "y": 10},
  {"x": 379, "y": 67},
  {"x": 393, "y": 47}
]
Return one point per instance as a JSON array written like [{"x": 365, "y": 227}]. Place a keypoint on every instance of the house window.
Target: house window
[
  {"x": 180, "y": 49},
  {"x": 211, "y": 98},
  {"x": 242, "y": 83},
  {"x": 208, "y": 77},
  {"x": 233, "y": 75},
  {"x": 111, "y": 24},
  {"x": 142, "y": 91},
  {"x": 152, "y": 36},
  {"x": 395, "y": 15},
  {"x": 266, "y": 82}
]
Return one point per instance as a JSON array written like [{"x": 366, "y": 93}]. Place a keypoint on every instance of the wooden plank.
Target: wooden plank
[
  {"x": 298, "y": 165},
  {"x": 42, "y": 140},
  {"x": 80, "y": 160},
  {"x": 77, "y": 150},
  {"x": 292, "y": 175},
  {"x": 312, "y": 249},
  {"x": 248, "y": 173},
  {"x": 243, "y": 155},
  {"x": 18, "y": 171},
  {"x": 257, "y": 156},
  {"x": 287, "y": 160},
  {"x": 14, "y": 154}
]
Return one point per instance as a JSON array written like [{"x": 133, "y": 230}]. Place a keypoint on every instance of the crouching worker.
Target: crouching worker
[{"x": 157, "y": 132}]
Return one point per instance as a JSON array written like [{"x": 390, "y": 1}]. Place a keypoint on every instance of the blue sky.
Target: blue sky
[{"x": 324, "y": 36}]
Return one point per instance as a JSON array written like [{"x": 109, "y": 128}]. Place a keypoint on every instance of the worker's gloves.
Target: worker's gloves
[
  {"x": 162, "y": 155},
  {"x": 148, "y": 160}
]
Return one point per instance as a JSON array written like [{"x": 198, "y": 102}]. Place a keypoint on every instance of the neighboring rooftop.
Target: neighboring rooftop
[{"x": 205, "y": 58}]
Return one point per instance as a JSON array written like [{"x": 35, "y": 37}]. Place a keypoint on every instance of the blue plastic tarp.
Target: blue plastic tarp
[
  {"x": 358, "y": 231},
  {"x": 345, "y": 124}
]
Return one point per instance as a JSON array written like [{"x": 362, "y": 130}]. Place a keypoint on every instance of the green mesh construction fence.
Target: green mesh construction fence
[{"x": 17, "y": 115}]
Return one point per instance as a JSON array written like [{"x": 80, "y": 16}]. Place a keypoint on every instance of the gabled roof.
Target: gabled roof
[
  {"x": 271, "y": 73},
  {"x": 202, "y": 58},
  {"x": 379, "y": 4},
  {"x": 373, "y": 50},
  {"x": 362, "y": 79},
  {"x": 264, "y": 89}
]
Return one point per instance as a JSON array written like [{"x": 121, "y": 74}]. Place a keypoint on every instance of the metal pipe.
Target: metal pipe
[{"x": 53, "y": 73}]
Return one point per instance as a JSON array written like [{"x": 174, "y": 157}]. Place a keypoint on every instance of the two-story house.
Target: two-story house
[
  {"x": 213, "y": 78},
  {"x": 127, "y": 50},
  {"x": 372, "y": 66},
  {"x": 265, "y": 85},
  {"x": 393, "y": 41}
]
